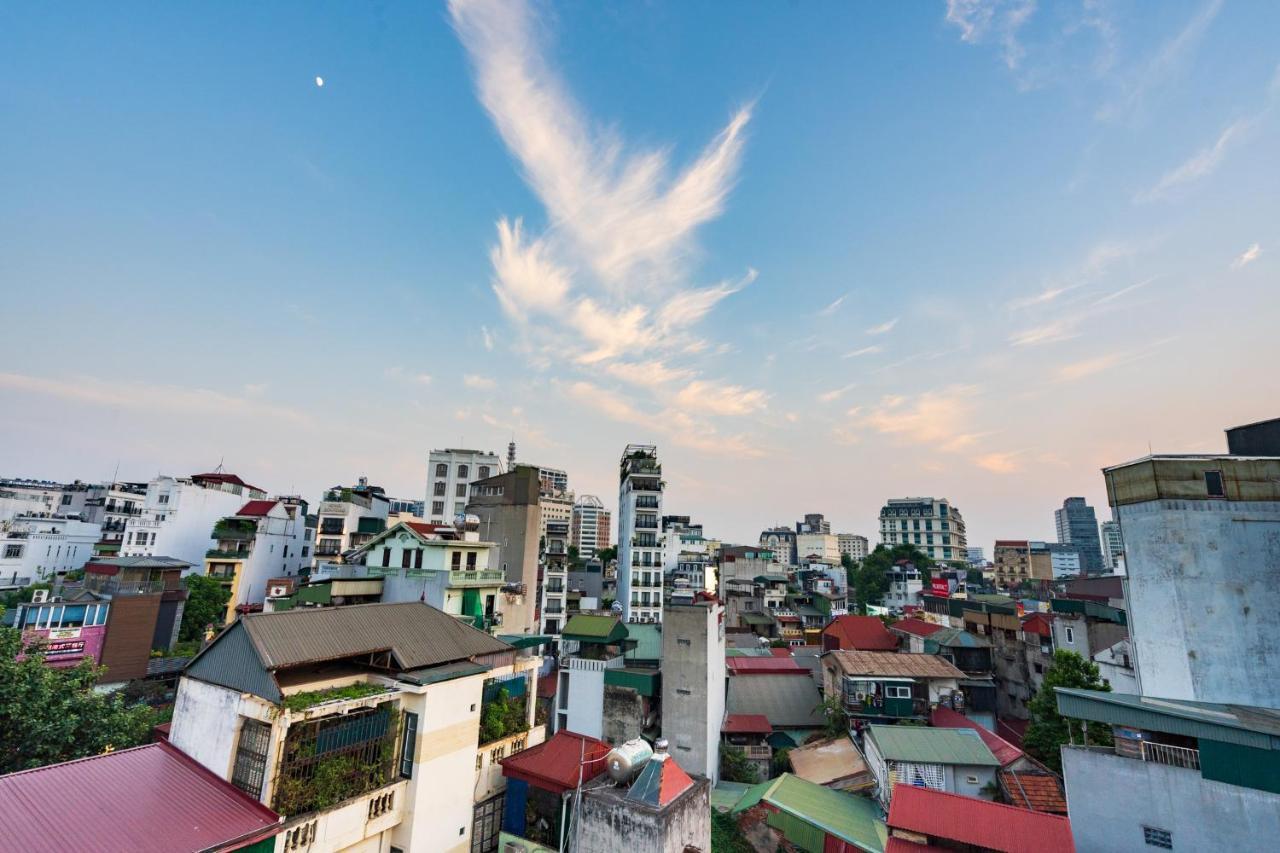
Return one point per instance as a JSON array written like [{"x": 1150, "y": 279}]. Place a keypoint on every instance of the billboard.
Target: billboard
[{"x": 940, "y": 587}]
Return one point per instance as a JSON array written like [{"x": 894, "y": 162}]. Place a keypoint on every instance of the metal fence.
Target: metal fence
[
  {"x": 331, "y": 759},
  {"x": 1175, "y": 756}
]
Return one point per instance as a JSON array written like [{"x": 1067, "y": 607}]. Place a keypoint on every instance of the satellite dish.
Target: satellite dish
[{"x": 616, "y": 607}]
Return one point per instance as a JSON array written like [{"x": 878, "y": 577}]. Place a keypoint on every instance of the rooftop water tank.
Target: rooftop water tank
[{"x": 626, "y": 760}]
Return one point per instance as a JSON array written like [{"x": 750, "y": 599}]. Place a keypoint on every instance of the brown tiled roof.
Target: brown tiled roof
[
  {"x": 1040, "y": 792},
  {"x": 894, "y": 664}
]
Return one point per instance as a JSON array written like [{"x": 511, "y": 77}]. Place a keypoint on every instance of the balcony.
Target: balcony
[
  {"x": 477, "y": 577},
  {"x": 116, "y": 587},
  {"x": 235, "y": 529},
  {"x": 222, "y": 554},
  {"x": 646, "y": 502},
  {"x": 332, "y": 759},
  {"x": 1174, "y": 756},
  {"x": 758, "y": 752},
  {"x": 591, "y": 664}
]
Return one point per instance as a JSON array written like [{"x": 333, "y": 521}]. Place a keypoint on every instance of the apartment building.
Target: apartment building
[
  {"x": 1112, "y": 544},
  {"x": 178, "y": 515},
  {"x": 852, "y": 545},
  {"x": 781, "y": 541},
  {"x": 450, "y": 473},
  {"x": 1077, "y": 525},
  {"x": 262, "y": 540},
  {"x": 555, "y": 577},
  {"x": 507, "y": 510},
  {"x": 931, "y": 524},
  {"x": 590, "y": 526},
  {"x": 112, "y": 505},
  {"x": 347, "y": 518},
  {"x": 36, "y": 548},
  {"x": 640, "y": 579}
]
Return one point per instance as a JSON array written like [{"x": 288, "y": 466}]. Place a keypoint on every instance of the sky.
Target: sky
[{"x": 820, "y": 254}]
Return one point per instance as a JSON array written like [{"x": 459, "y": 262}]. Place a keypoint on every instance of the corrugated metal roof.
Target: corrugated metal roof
[
  {"x": 932, "y": 746},
  {"x": 232, "y": 661},
  {"x": 1005, "y": 752},
  {"x": 866, "y": 633},
  {"x": 856, "y": 820},
  {"x": 140, "y": 562},
  {"x": 1238, "y": 724},
  {"x": 553, "y": 765},
  {"x": 981, "y": 823},
  {"x": 957, "y": 637},
  {"x": 256, "y": 509},
  {"x": 149, "y": 799},
  {"x": 788, "y": 702},
  {"x": 648, "y": 640},
  {"x": 755, "y": 665},
  {"x": 599, "y": 629},
  {"x": 831, "y": 760},
  {"x": 746, "y": 724},
  {"x": 895, "y": 664}
]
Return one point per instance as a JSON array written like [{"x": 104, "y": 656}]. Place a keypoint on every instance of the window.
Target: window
[
  {"x": 458, "y": 508},
  {"x": 1071, "y": 635},
  {"x": 471, "y": 560},
  {"x": 456, "y": 560},
  {"x": 251, "y": 757},
  {"x": 66, "y": 500},
  {"x": 417, "y": 558},
  {"x": 463, "y": 471},
  {"x": 1154, "y": 837},
  {"x": 897, "y": 691},
  {"x": 437, "y": 508},
  {"x": 405, "y": 556},
  {"x": 1213, "y": 486},
  {"x": 11, "y": 551},
  {"x": 442, "y": 470},
  {"x": 410, "y": 743},
  {"x": 482, "y": 472},
  {"x": 439, "y": 488},
  {"x": 164, "y": 499},
  {"x": 460, "y": 490}
]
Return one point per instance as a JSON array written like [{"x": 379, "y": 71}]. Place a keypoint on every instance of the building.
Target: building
[
  {"x": 1065, "y": 561},
  {"x": 952, "y": 760},
  {"x": 693, "y": 684},
  {"x": 361, "y": 724},
  {"x": 178, "y": 515},
  {"x": 683, "y": 542},
  {"x": 663, "y": 811},
  {"x": 35, "y": 548},
  {"x": 923, "y": 818},
  {"x": 539, "y": 781},
  {"x": 1181, "y": 775},
  {"x": 508, "y": 508},
  {"x": 347, "y": 518},
  {"x": 1077, "y": 525},
  {"x": 112, "y": 505},
  {"x": 852, "y": 546},
  {"x": 261, "y": 540},
  {"x": 405, "y": 506},
  {"x": 822, "y": 547},
  {"x": 975, "y": 557},
  {"x": 640, "y": 579},
  {"x": 29, "y": 497},
  {"x": 148, "y": 799},
  {"x": 889, "y": 686},
  {"x": 555, "y": 578},
  {"x": 553, "y": 480},
  {"x": 905, "y": 587},
  {"x": 833, "y": 763},
  {"x": 812, "y": 817},
  {"x": 591, "y": 647},
  {"x": 1020, "y": 561},
  {"x": 781, "y": 543},
  {"x": 931, "y": 524},
  {"x": 555, "y": 506},
  {"x": 858, "y": 633},
  {"x": 1112, "y": 544},
  {"x": 450, "y": 474},
  {"x": 1115, "y": 665},
  {"x": 590, "y": 531}
]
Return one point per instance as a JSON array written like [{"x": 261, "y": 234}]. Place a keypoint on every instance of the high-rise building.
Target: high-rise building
[
  {"x": 639, "y": 540},
  {"x": 852, "y": 545},
  {"x": 555, "y": 576},
  {"x": 975, "y": 556},
  {"x": 509, "y": 509},
  {"x": 590, "y": 532},
  {"x": 931, "y": 524},
  {"x": 449, "y": 473},
  {"x": 1077, "y": 525},
  {"x": 1112, "y": 544},
  {"x": 814, "y": 522}
]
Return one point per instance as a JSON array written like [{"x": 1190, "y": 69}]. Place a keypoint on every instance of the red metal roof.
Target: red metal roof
[
  {"x": 746, "y": 724},
  {"x": 916, "y": 627},
  {"x": 674, "y": 781},
  {"x": 780, "y": 653},
  {"x": 1012, "y": 730},
  {"x": 1005, "y": 752},
  {"x": 224, "y": 478},
  {"x": 765, "y": 666},
  {"x": 860, "y": 633},
  {"x": 256, "y": 508},
  {"x": 149, "y": 798},
  {"x": 1039, "y": 623},
  {"x": 902, "y": 845},
  {"x": 553, "y": 765},
  {"x": 1041, "y": 792},
  {"x": 982, "y": 823},
  {"x": 547, "y": 683}
]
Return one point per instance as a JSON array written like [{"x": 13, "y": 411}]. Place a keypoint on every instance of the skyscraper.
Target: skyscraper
[
  {"x": 1078, "y": 526},
  {"x": 1112, "y": 543},
  {"x": 639, "y": 543},
  {"x": 590, "y": 532}
]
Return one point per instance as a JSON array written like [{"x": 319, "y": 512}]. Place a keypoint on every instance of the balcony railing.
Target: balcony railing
[
  {"x": 221, "y": 554},
  {"x": 1174, "y": 756},
  {"x": 591, "y": 664},
  {"x": 115, "y": 587},
  {"x": 765, "y": 752},
  {"x": 478, "y": 577},
  {"x": 332, "y": 759}
]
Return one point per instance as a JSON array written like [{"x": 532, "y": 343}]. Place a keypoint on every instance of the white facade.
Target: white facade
[
  {"x": 555, "y": 579},
  {"x": 177, "y": 519},
  {"x": 852, "y": 545},
  {"x": 590, "y": 531},
  {"x": 905, "y": 588},
  {"x": 342, "y": 514},
  {"x": 824, "y": 546},
  {"x": 29, "y": 497},
  {"x": 1115, "y": 665},
  {"x": 112, "y": 505},
  {"x": 557, "y": 507},
  {"x": 36, "y": 548},
  {"x": 580, "y": 694},
  {"x": 640, "y": 579},
  {"x": 450, "y": 473},
  {"x": 252, "y": 549},
  {"x": 931, "y": 524}
]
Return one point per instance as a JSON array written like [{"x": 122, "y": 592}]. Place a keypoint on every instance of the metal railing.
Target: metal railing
[
  {"x": 758, "y": 751},
  {"x": 591, "y": 664},
  {"x": 1174, "y": 756},
  {"x": 480, "y": 577}
]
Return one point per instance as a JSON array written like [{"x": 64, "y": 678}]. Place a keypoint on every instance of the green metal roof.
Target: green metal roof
[
  {"x": 648, "y": 640},
  {"x": 956, "y": 637},
  {"x": 726, "y": 795},
  {"x": 1091, "y": 609},
  {"x": 755, "y": 618},
  {"x": 586, "y": 628},
  {"x": 1238, "y": 724},
  {"x": 932, "y": 746},
  {"x": 643, "y": 681},
  {"x": 448, "y": 672},
  {"x": 856, "y": 820},
  {"x": 525, "y": 641}
]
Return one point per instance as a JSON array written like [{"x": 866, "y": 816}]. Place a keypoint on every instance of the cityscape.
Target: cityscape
[{"x": 515, "y": 426}]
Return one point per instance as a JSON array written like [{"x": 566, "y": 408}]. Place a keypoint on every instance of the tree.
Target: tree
[
  {"x": 605, "y": 555},
  {"x": 869, "y": 580},
  {"x": 1048, "y": 729},
  {"x": 837, "y": 721},
  {"x": 206, "y": 605},
  {"x": 734, "y": 766},
  {"x": 781, "y": 762},
  {"x": 576, "y": 562},
  {"x": 48, "y": 715}
]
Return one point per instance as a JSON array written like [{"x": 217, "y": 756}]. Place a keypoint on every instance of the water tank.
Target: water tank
[{"x": 626, "y": 760}]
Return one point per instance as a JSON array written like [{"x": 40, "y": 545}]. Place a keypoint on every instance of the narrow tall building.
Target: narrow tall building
[
  {"x": 1112, "y": 544},
  {"x": 449, "y": 473},
  {"x": 693, "y": 684},
  {"x": 931, "y": 524},
  {"x": 1077, "y": 525},
  {"x": 590, "y": 526},
  {"x": 639, "y": 542},
  {"x": 509, "y": 511}
]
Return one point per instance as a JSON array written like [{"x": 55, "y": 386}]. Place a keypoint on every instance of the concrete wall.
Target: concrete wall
[
  {"x": 611, "y": 822},
  {"x": 1111, "y": 798},
  {"x": 693, "y": 686},
  {"x": 1204, "y": 601},
  {"x": 585, "y": 702},
  {"x": 623, "y": 714},
  {"x": 206, "y": 723}
]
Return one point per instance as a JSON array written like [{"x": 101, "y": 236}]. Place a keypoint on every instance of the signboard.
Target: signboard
[
  {"x": 64, "y": 634},
  {"x": 940, "y": 587},
  {"x": 58, "y": 649}
]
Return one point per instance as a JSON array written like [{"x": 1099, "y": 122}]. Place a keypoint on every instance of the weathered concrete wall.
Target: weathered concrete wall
[
  {"x": 693, "y": 686},
  {"x": 611, "y": 822},
  {"x": 623, "y": 714},
  {"x": 1204, "y": 598},
  {"x": 1112, "y": 798}
]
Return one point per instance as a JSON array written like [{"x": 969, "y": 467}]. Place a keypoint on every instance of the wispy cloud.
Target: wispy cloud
[
  {"x": 997, "y": 20},
  {"x": 936, "y": 418},
  {"x": 1051, "y": 332},
  {"x": 719, "y": 398},
  {"x": 833, "y": 307},
  {"x": 1201, "y": 164},
  {"x": 836, "y": 393},
  {"x": 886, "y": 326},
  {"x": 1116, "y": 294},
  {"x": 1107, "y": 361},
  {"x": 651, "y": 374},
  {"x": 480, "y": 383},
  {"x": 1044, "y": 297},
  {"x": 486, "y": 337},
  {"x": 1247, "y": 257},
  {"x": 858, "y": 353},
  {"x": 999, "y": 462},
  {"x": 400, "y": 373}
]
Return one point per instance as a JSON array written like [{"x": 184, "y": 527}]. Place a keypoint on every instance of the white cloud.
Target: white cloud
[
  {"x": 886, "y": 326},
  {"x": 936, "y": 418},
  {"x": 486, "y": 337},
  {"x": 255, "y": 389},
  {"x": 1000, "y": 19},
  {"x": 833, "y": 307},
  {"x": 720, "y": 398},
  {"x": 1088, "y": 367},
  {"x": 836, "y": 393},
  {"x": 481, "y": 383},
  {"x": 999, "y": 463},
  {"x": 1248, "y": 256},
  {"x": 1202, "y": 164},
  {"x": 1052, "y": 332},
  {"x": 1116, "y": 294},
  {"x": 1043, "y": 297},
  {"x": 647, "y": 373},
  {"x": 858, "y": 353}
]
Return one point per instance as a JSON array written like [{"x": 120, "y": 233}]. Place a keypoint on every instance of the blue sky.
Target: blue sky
[{"x": 821, "y": 254}]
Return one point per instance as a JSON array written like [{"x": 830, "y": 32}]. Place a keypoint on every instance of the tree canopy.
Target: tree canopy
[
  {"x": 869, "y": 581},
  {"x": 1048, "y": 729},
  {"x": 206, "y": 605},
  {"x": 735, "y": 767}
]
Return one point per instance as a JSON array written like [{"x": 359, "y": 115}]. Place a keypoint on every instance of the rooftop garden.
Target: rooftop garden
[
  {"x": 503, "y": 716},
  {"x": 334, "y": 759},
  {"x": 301, "y": 701}
]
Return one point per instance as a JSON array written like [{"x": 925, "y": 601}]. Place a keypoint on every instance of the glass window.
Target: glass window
[
  {"x": 442, "y": 470},
  {"x": 1213, "y": 484},
  {"x": 463, "y": 471},
  {"x": 482, "y": 471},
  {"x": 456, "y": 560},
  {"x": 439, "y": 488},
  {"x": 407, "y": 748},
  {"x": 437, "y": 508},
  {"x": 251, "y": 757}
]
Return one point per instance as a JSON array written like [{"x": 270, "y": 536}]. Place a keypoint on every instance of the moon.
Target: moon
[{"x": 319, "y": 82}]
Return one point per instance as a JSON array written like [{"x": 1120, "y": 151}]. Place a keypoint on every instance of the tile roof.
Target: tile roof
[
  {"x": 145, "y": 799},
  {"x": 256, "y": 509},
  {"x": 787, "y": 702},
  {"x": 553, "y": 764},
  {"x": 1039, "y": 623},
  {"x": 831, "y": 760},
  {"x": 1005, "y": 752},
  {"x": 1035, "y": 790},
  {"x": 855, "y": 820},
  {"x": 747, "y": 724},
  {"x": 981, "y": 823},
  {"x": 864, "y": 633},
  {"x": 894, "y": 664},
  {"x": 660, "y": 782},
  {"x": 754, "y": 665},
  {"x": 931, "y": 746},
  {"x": 916, "y": 627}
]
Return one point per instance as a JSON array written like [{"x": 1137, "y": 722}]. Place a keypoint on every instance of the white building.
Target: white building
[
  {"x": 347, "y": 518},
  {"x": 682, "y": 542},
  {"x": 824, "y": 546},
  {"x": 590, "y": 531},
  {"x": 1115, "y": 665},
  {"x": 450, "y": 472},
  {"x": 35, "y": 548},
  {"x": 178, "y": 515},
  {"x": 553, "y": 479},
  {"x": 931, "y": 524},
  {"x": 555, "y": 578},
  {"x": 262, "y": 540},
  {"x": 852, "y": 545},
  {"x": 555, "y": 507},
  {"x": 29, "y": 497},
  {"x": 639, "y": 540},
  {"x": 112, "y": 505},
  {"x": 905, "y": 587},
  {"x": 1112, "y": 544}
]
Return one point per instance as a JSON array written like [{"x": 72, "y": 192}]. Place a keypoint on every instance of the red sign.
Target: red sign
[{"x": 940, "y": 587}]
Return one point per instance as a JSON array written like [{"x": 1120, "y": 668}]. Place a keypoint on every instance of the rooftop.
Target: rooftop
[
  {"x": 855, "y": 820},
  {"x": 981, "y": 823},
  {"x": 863, "y": 633},
  {"x": 748, "y": 724},
  {"x": 660, "y": 782},
  {"x": 915, "y": 627},
  {"x": 1238, "y": 724},
  {"x": 787, "y": 702},
  {"x": 893, "y": 664},
  {"x": 828, "y": 761},
  {"x": 553, "y": 764},
  {"x": 256, "y": 509},
  {"x": 585, "y": 627},
  {"x": 147, "y": 799},
  {"x": 758, "y": 665},
  {"x": 1005, "y": 752},
  {"x": 1037, "y": 790},
  {"x": 931, "y": 746},
  {"x": 959, "y": 638}
]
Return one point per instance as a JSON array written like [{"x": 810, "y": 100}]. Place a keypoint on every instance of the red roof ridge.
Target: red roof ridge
[
  {"x": 257, "y": 507},
  {"x": 979, "y": 822}
]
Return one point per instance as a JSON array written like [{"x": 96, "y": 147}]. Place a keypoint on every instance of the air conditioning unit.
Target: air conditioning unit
[{"x": 39, "y": 596}]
